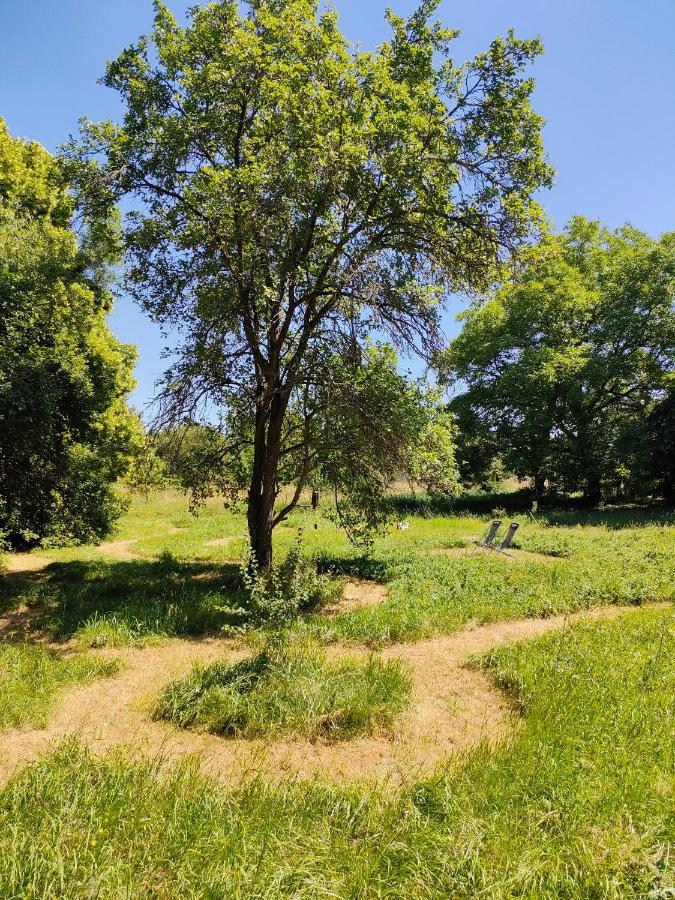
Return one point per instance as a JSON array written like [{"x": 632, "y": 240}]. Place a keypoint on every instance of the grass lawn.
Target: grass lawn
[
  {"x": 579, "y": 805},
  {"x": 576, "y": 803},
  {"x": 166, "y": 573},
  {"x": 31, "y": 677}
]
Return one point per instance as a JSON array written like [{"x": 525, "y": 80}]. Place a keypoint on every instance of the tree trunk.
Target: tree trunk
[
  {"x": 593, "y": 492},
  {"x": 538, "y": 487},
  {"x": 260, "y": 516},
  {"x": 263, "y": 487}
]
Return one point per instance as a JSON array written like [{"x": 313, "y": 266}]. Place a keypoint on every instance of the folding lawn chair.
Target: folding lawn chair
[
  {"x": 508, "y": 539},
  {"x": 487, "y": 542}
]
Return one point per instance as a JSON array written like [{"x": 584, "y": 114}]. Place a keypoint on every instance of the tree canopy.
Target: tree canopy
[
  {"x": 295, "y": 198},
  {"x": 65, "y": 430},
  {"x": 569, "y": 358}
]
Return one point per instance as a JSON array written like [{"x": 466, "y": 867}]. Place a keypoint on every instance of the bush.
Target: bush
[{"x": 277, "y": 595}]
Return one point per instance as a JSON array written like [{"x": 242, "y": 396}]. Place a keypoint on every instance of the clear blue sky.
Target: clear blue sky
[{"x": 606, "y": 86}]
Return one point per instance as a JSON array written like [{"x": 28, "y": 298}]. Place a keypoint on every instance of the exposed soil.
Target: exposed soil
[
  {"x": 18, "y": 563},
  {"x": 219, "y": 542},
  {"x": 119, "y": 549},
  {"x": 454, "y": 707},
  {"x": 357, "y": 594}
]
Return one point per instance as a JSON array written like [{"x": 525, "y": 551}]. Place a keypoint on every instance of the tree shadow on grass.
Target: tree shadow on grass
[
  {"x": 122, "y": 601},
  {"x": 358, "y": 565},
  {"x": 613, "y": 517}
]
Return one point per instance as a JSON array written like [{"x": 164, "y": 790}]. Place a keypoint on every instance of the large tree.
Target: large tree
[
  {"x": 65, "y": 430},
  {"x": 295, "y": 196},
  {"x": 560, "y": 364}
]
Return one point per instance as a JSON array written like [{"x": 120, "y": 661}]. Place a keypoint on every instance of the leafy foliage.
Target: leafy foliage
[
  {"x": 296, "y": 197},
  {"x": 65, "y": 431},
  {"x": 277, "y": 594},
  {"x": 568, "y": 363}
]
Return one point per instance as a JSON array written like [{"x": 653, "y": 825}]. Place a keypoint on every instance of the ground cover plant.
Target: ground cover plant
[
  {"x": 32, "y": 676},
  {"x": 289, "y": 687},
  {"x": 430, "y": 592},
  {"x": 579, "y": 805}
]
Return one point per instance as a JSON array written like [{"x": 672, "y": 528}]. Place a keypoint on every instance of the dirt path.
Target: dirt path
[
  {"x": 119, "y": 549},
  {"x": 18, "y": 563},
  {"x": 25, "y": 563},
  {"x": 453, "y": 708},
  {"x": 357, "y": 594}
]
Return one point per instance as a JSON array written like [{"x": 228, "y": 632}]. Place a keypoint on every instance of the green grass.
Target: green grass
[
  {"x": 31, "y": 677},
  {"x": 582, "y": 568},
  {"x": 578, "y": 806},
  {"x": 181, "y": 584},
  {"x": 123, "y": 602},
  {"x": 288, "y": 688}
]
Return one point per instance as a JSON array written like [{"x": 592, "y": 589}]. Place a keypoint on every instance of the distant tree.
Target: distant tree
[
  {"x": 198, "y": 459},
  {"x": 432, "y": 461},
  {"x": 295, "y": 197},
  {"x": 577, "y": 349},
  {"x": 647, "y": 451},
  {"x": 477, "y": 449},
  {"x": 66, "y": 433}
]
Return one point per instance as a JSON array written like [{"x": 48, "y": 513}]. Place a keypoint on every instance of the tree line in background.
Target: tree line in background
[
  {"x": 567, "y": 371},
  {"x": 299, "y": 213}
]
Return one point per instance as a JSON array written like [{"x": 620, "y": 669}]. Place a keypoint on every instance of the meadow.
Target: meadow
[{"x": 564, "y": 788}]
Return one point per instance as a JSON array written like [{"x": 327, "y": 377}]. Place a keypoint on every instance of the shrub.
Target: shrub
[{"x": 277, "y": 595}]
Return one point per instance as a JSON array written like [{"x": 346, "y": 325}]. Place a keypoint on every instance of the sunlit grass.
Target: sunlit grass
[
  {"x": 289, "y": 688},
  {"x": 181, "y": 582},
  {"x": 579, "y": 805},
  {"x": 32, "y": 676}
]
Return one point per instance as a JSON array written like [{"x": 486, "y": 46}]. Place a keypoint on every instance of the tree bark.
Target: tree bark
[{"x": 263, "y": 486}]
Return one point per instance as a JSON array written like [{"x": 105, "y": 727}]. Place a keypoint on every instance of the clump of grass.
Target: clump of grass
[
  {"x": 31, "y": 676},
  {"x": 288, "y": 688}
]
